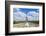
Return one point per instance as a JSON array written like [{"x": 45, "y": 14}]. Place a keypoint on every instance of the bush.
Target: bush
[{"x": 13, "y": 22}]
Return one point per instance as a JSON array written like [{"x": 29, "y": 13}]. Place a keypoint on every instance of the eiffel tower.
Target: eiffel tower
[{"x": 26, "y": 24}]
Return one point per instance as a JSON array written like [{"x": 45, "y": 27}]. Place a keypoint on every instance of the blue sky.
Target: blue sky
[
  {"x": 21, "y": 13},
  {"x": 25, "y": 10}
]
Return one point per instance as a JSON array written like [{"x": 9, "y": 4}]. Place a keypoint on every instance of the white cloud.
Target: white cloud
[
  {"x": 33, "y": 16},
  {"x": 19, "y": 16}
]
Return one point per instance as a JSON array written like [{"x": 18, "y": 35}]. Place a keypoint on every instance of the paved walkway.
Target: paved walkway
[{"x": 27, "y": 24}]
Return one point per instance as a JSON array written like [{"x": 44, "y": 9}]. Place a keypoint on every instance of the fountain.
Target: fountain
[{"x": 27, "y": 24}]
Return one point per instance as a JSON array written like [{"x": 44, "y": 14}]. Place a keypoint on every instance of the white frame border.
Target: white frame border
[{"x": 12, "y": 29}]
